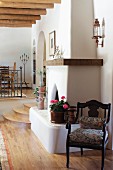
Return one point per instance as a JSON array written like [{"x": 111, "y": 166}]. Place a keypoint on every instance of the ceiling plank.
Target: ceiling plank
[
  {"x": 25, "y": 5},
  {"x": 17, "y": 22},
  {"x": 33, "y": 1},
  {"x": 15, "y": 25},
  {"x": 23, "y": 11},
  {"x": 20, "y": 17}
]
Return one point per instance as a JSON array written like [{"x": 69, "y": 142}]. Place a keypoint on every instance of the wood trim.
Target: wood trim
[
  {"x": 17, "y": 22},
  {"x": 35, "y": 8},
  {"x": 33, "y": 1},
  {"x": 20, "y": 17},
  {"x": 25, "y": 25},
  {"x": 94, "y": 62},
  {"x": 22, "y": 11},
  {"x": 25, "y": 5},
  {"x": 74, "y": 62}
]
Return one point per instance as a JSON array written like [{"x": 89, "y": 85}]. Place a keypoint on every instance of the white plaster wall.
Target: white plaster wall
[
  {"x": 82, "y": 44},
  {"x": 13, "y": 43},
  {"x": 74, "y": 30},
  {"x": 103, "y": 8},
  {"x": 83, "y": 84},
  {"x": 58, "y": 76},
  {"x": 57, "y": 19}
]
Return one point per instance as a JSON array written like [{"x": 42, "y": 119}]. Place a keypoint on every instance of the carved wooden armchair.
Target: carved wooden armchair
[{"x": 93, "y": 117}]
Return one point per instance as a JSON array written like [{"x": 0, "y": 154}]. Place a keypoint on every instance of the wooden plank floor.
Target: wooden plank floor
[{"x": 27, "y": 153}]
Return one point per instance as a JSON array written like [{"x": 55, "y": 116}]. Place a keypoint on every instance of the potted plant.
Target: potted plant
[
  {"x": 57, "y": 110},
  {"x": 40, "y": 91}
]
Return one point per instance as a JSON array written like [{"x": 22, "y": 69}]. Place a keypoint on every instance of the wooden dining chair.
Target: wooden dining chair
[{"x": 93, "y": 117}]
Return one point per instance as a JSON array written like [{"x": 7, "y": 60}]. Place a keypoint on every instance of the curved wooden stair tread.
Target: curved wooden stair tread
[
  {"x": 14, "y": 118},
  {"x": 29, "y": 105},
  {"x": 21, "y": 111},
  {"x": 20, "y": 114}
]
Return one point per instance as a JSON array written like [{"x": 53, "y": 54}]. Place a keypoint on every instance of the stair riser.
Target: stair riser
[
  {"x": 19, "y": 124},
  {"x": 15, "y": 118},
  {"x": 21, "y": 114},
  {"x": 26, "y": 108}
]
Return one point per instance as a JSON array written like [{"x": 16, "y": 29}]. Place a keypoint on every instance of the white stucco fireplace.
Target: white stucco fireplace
[
  {"x": 57, "y": 80},
  {"x": 78, "y": 81}
]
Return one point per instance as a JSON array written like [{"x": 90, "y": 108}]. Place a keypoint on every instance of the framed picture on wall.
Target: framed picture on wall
[{"x": 52, "y": 43}]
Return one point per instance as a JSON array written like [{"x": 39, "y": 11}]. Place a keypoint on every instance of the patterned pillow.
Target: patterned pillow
[{"x": 91, "y": 122}]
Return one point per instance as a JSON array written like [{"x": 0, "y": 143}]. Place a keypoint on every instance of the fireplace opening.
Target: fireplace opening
[
  {"x": 57, "y": 96},
  {"x": 54, "y": 94}
]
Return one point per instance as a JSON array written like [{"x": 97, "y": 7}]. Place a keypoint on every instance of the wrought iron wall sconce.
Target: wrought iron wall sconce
[{"x": 99, "y": 32}]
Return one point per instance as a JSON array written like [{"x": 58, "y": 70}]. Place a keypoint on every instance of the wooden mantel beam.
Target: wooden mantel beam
[
  {"x": 23, "y": 11},
  {"x": 20, "y": 17},
  {"x": 33, "y": 1},
  {"x": 74, "y": 62},
  {"x": 25, "y": 5}
]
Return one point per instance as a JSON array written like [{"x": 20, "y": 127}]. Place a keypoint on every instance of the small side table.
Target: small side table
[{"x": 72, "y": 114}]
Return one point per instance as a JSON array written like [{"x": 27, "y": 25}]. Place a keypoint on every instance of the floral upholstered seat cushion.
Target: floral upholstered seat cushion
[
  {"x": 91, "y": 122},
  {"x": 87, "y": 136}
]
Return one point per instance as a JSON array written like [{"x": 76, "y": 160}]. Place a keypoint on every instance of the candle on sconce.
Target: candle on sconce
[{"x": 103, "y": 28}]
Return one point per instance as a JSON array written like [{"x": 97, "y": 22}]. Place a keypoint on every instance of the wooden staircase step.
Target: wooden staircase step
[
  {"x": 27, "y": 106},
  {"x": 14, "y": 118},
  {"x": 20, "y": 114},
  {"x": 21, "y": 111}
]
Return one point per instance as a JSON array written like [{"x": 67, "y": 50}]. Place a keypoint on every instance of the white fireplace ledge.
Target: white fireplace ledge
[{"x": 52, "y": 136}]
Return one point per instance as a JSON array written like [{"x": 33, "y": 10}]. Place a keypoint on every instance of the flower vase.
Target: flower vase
[
  {"x": 40, "y": 102},
  {"x": 42, "y": 89},
  {"x": 57, "y": 117},
  {"x": 40, "y": 97}
]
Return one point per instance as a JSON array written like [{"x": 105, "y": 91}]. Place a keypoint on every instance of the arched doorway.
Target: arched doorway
[{"x": 40, "y": 58}]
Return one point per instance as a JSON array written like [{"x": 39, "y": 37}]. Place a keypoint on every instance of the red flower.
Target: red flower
[
  {"x": 63, "y": 97},
  {"x": 54, "y": 101},
  {"x": 65, "y": 106},
  {"x": 59, "y": 106}
]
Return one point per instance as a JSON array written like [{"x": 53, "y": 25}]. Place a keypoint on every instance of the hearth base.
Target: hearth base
[{"x": 52, "y": 136}]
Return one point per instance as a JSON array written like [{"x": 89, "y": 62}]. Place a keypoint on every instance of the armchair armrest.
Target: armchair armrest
[
  {"x": 68, "y": 126},
  {"x": 105, "y": 126}
]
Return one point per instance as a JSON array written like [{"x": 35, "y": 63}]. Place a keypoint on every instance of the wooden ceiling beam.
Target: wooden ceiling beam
[
  {"x": 16, "y": 25},
  {"x": 20, "y": 17},
  {"x": 25, "y": 5},
  {"x": 33, "y": 1},
  {"x": 17, "y": 22},
  {"x": 23, "y": 11}
]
